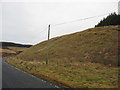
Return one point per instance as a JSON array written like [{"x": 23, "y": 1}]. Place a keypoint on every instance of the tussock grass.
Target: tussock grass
[
  {"x": 87, "y": 59},
  {"x": 98, "y": 45},
  {"x": 72, "y": 75}
]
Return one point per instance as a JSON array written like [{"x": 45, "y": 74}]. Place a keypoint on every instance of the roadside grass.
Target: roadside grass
[{"x": 73, "y": 75}]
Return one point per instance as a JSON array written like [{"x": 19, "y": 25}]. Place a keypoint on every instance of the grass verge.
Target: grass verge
[{"x": 72, "y": 75}]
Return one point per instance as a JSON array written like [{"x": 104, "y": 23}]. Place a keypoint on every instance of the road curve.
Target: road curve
[{"x": 15, "y": 78}]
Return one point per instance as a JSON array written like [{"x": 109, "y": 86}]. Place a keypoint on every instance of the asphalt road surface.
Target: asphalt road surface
[{"x": 15, "y": 78}]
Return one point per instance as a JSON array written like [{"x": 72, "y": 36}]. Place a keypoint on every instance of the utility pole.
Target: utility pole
[
  {"x": 49, "y": 32},
  {"x": 48, "y": 44}
]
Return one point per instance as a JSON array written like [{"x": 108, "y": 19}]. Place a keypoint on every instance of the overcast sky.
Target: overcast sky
[{"x": 26, "y": 21}]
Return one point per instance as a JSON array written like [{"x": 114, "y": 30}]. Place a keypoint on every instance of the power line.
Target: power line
[
  {"x": 79, "y": 20},
  {"x": 51, "y": 44},
  {"x": 43, "y": 29}
]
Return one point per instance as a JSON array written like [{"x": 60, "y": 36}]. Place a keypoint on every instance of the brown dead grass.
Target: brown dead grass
[
  {"x": 80, "y": 60},
  {"x": 7, "y": 51},
  {"x": 98, "y": 45},
  {"x": 72, "y": 75}
]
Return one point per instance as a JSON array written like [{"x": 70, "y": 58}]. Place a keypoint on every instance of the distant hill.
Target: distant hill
[
  {"x": 99, "y": 45},
  {"x": 9, "y": 44},
  {"x": 112, "y": 19},
  {"x": 11, "y": 49}
]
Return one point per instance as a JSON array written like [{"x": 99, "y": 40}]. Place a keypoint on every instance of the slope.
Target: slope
[
  {"x": 98, "y": 44},
  {"x": 86, "y": 59},
  {"x": 11, "y": 49}
]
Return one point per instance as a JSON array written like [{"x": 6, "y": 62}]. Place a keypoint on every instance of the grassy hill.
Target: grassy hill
[
  {"x": 86, "y": 59},
  {"x": 11, "y": 49},
  {"x": 10, "y": 44},
  {"x": 95, "y": 45}
]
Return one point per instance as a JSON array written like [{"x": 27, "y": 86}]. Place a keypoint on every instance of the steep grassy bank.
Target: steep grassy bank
[
  {"x": 93, "y": 45},
  {"x": 86, "y": 59}
]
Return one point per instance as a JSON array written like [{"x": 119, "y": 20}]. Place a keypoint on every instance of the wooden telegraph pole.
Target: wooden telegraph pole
[{"x": 48, "y": 44}]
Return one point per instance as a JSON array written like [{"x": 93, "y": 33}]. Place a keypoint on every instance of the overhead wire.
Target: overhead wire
[
  {"x": 43, "y": 29},
  {"x": 75, "y": 21},
  {"x": 51, "y": 43},
  {"x": 78, "y": 20},
  {"x": 71, "y": 22}
]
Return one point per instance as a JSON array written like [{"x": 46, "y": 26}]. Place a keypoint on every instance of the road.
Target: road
[{"x": 15, "y": 78}]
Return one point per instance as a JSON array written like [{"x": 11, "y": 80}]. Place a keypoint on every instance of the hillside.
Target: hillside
[
  {"x": 10, "y": 44},
  {"x": 11, "y": 49},
  {"x": 98, "y": 45},
  {"x": 86, "y": 59}
]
